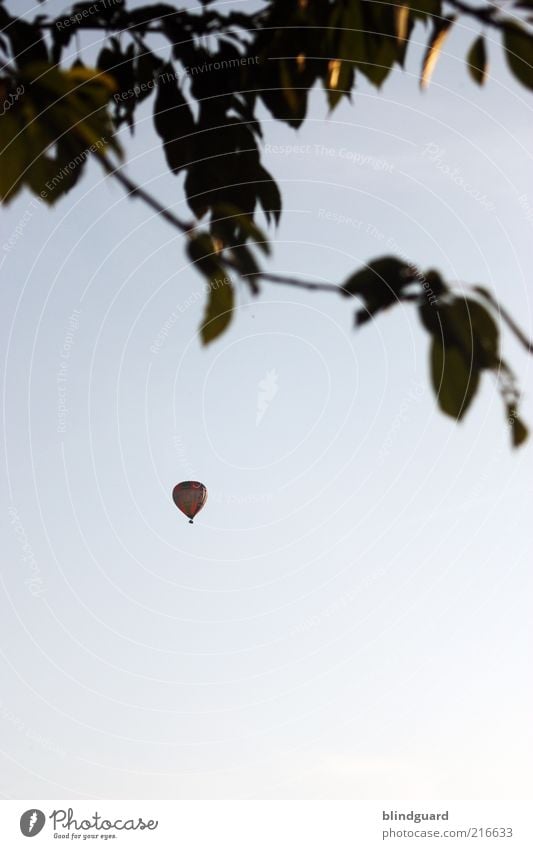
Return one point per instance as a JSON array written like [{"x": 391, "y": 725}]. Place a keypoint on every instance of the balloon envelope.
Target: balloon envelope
[{"x": 189, "y": 497}]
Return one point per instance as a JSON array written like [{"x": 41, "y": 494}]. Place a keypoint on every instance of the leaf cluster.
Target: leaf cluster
[
  {"x": 206, "y": 85},
  {"x": 463, "y": 331}
]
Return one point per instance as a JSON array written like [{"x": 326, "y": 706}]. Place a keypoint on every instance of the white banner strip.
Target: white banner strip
[{"x": 267, "y": 824}]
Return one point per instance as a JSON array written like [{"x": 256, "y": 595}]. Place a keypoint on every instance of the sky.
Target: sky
[{"x": 349, "y": 615}]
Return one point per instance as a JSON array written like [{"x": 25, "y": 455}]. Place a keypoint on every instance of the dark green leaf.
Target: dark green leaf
[
  {"x": 477, "y": 61},
  {"x": 246, "y": 266},
  {"x": 27, "y": 43},
  {"x": 467, "y": 325},
  {"x": 174, "y": 122},
  {"x": 379, "y": 285},
  {"x": 518, "y": 45},
  {"x": 352, "y": 41},
  {"x": 387, "y": 269},
  {"x": 285, "y": 97},
  {"x": 484, "y": 331},
  {"x": 268, "y": 194},
  {"x": 60, "y": 120},
  {"x": 119, "y": 64},
  {"x": 454, "y": 381},
  {"x": 12, "y": 159},
  {"x": 146, "y": 67},
  {"x": 201, "y": 251},
  {"x": 339, "y": 83},
  {"x": 294, "y": 93},
  {"x": 219, "y": 309},
  {"x": 246, "y": 225},
  {"x": 377, "y": 70},
  {"x": 423, "y": 9}
]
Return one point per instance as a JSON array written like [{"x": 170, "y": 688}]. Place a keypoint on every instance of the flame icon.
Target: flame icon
[
  {"x": 267, "y": 389},
  {"x": 32, "y": 822}
]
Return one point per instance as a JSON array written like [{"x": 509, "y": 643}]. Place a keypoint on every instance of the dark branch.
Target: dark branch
[
  {"x": 136, "y": 191},
  {"x": 302, "y": 284},
  {"x": 483, "y": 14},
  {"x": 502, "y": 312},
  {"x": 188, "y": 229}
]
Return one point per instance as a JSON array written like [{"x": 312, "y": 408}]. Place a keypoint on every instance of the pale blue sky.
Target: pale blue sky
[{"x": 348, "y": 618}]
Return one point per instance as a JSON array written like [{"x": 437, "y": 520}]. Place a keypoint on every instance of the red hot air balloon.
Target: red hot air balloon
[{"x": 189, "y": 497}]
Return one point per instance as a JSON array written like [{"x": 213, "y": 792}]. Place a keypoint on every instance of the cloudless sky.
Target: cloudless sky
[{"x": 348, "y": 617}]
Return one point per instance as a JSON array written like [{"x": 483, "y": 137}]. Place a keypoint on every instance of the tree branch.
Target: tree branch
[
  {"x": 483, "y": 14},
  {"x": 188, "y": 228},
  {"x": 87, "y": 26},
  {"x": 302, "y": 284},
  {"x": 135, "y": 190},
  {"x": 502, "y": 312}
]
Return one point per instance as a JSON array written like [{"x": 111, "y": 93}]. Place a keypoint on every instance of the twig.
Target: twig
[
  {"x": 302, "y": 284},
  {"x": 483, "y": 14},
  {"x": 520, "y": 335},
  {"x": 188, "y": 229},
  {"x": 136, "y": 191}
]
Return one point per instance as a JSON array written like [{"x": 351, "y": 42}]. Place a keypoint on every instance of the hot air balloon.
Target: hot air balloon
[{"x": 189, "y": 497}]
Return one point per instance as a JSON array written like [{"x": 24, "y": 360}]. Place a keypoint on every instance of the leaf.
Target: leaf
[
  {"x": 196, "y": 186},
  {"x": 518, "y": 46},
  {"x": 247, "y": 266},
  {"x": 388, "y": 269},
  {"x": 477, "y": 61},
  {"x": 353, "y": 40},
  {"x": 379, "y": 285},
  {"x": 59, "y": 121},
  {"x": 401, "y": 17},
  {"x": 340, "y": 82},
  {"x": 246, "y": 225},
  {"x": 423, "y": 9},
  {"x": 295, "y": 95},
  {"x": 467, "y": 325},
  {"x": 174, "y": 122},
  {"x": 219, "y": 309},
  {"x": 147, "y": 65},
  {"x": 441, "y": 29},
  {"x": 269, "y": 195},
  {"x": 73, "y": 102},
  {"x": 119, "y": 64},
  {"x": 454, "y": 381},
  {"x": 485, "y": 333},
  {"x": 368, "y": 43},
  {"x": 27, "y": 43},
  {"x": 202, "y": 252},
  {"x": 12, "y": 158},
  {"x": 379, "y": 67}
]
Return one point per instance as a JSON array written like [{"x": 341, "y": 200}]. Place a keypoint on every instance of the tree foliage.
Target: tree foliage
[{"x": 58, "y": 113}]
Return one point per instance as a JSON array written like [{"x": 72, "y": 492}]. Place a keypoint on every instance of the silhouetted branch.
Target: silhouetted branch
[
  {"x": 520, "y": 335},
  {"x": 188, "y": 228},
  {"x": 135, "y": 190},
  {"x": 483, "y": 14},
  {"x": 302, "y": 284}
]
